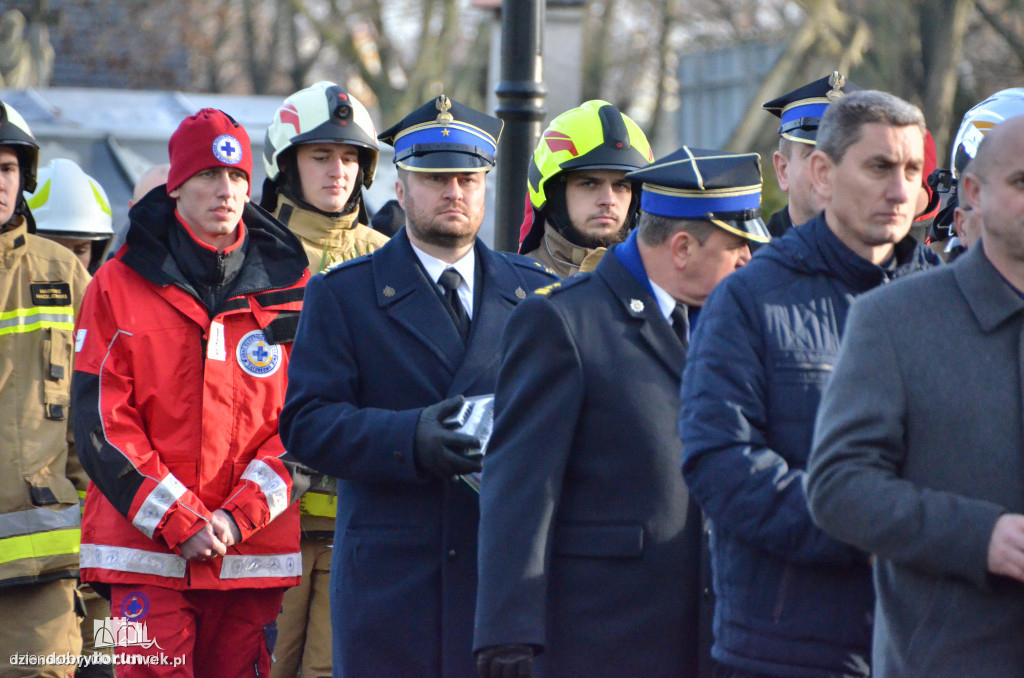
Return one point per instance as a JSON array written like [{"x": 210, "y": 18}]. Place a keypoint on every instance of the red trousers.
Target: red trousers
[{"x": 192, "y": 634}]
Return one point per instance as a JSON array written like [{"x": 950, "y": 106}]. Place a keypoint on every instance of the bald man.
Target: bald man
[
  {"x": 150, "y": 179},
  {"x": 155, "y": 176},
  {"x": 925, "y": 470}
]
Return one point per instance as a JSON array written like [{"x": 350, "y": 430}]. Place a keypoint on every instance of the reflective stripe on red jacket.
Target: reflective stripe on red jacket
[{"x": 176, "y": 412}]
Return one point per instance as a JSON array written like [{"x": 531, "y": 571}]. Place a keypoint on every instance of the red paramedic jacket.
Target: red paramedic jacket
[{"x": 175, "y": 413}]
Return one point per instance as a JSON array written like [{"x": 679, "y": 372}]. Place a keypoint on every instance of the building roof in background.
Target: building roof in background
[{"x": 115, "y": 135}]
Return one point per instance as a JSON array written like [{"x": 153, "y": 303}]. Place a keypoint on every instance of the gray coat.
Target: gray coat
[{"x": 915, "y": 462}]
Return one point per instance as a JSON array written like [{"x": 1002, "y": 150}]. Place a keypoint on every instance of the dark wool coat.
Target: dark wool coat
[
  {"x": 589, "y": 542},
  {"x": 374, "y": 347}
]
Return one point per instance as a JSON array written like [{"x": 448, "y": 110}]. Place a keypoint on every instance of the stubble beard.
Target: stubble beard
[
  {"x": 594, "y": 241},
  {"x": 438, "y": 235}
]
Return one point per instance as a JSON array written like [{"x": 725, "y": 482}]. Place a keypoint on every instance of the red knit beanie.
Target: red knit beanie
[{"x": 210, "y": 138}]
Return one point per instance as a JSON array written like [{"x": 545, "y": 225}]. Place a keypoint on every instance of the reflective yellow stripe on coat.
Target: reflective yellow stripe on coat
[
  {"x": 23, "y": 320},
  {"x": 39, "y": 533},
  {"x": 319, "y": 504}
]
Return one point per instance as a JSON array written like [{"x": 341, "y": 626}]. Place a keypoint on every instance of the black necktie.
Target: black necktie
[
  {"x": 449, "y": 282},
  {"x": 680, "y": 323}
]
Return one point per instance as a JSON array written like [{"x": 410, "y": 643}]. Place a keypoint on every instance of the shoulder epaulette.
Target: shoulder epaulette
[
  {"x": 548, "y": 289},
  {"x": 530, "y": 263},
  {"x": 562, "y": 285},
  {"x": 338, "y": 265}
]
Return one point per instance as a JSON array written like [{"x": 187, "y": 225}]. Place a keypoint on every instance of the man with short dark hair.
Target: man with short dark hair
[
  {"x": 925, "y": 471},
  {"x": 589, "y": 542},
  {"x": 388, "y": 346},
  {"x": 791, "y": 601},
  {"x": 580, "y": 202}
]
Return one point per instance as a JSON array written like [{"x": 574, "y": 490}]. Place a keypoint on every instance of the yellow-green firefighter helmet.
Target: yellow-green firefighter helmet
[{"x": 594, "y": 135}]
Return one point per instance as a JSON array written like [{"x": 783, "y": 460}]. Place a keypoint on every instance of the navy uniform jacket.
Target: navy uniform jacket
[
  {"x": 374, "y": 346},
  {"x": 589, "y": 543}
]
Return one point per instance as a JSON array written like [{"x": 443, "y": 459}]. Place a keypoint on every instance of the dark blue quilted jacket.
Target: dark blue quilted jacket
[{"x": 790, "y": 601}]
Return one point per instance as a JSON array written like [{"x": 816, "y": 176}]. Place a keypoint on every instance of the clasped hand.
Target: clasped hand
[{"x": 213, "y": 539}]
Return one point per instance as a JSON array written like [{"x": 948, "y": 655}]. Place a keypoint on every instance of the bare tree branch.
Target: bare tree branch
[
  {"x": 595, "y": 50},
  {"x": 1013, "y": 39},
  {"x": 943, "y": 24},
  {"x": 661, "y": 44}
]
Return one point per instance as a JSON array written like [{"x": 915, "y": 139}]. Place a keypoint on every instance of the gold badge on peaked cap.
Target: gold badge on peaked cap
[
  {"x": 836, "y": 81},
  {"x": 444, "y": 105}
]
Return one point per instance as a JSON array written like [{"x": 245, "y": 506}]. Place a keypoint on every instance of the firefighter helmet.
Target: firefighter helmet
[
  {"x": 594, "y": 135},
  {"x": 14, "y": 132},
  {"x": 976, "y": 123},
  {"x": 68, "y": 203},
  {"x": 322, "y": 112}
]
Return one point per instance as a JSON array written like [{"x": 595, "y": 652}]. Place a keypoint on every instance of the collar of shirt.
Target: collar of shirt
[
  {"x": 666, "y": 304},
  {"x": 466, "y": 266}
]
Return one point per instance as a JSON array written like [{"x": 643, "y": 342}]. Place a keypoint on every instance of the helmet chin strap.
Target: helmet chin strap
[
  {"x": 556, "y": 211},
  {"x": 291, "y": 186},
  {"x": 21, "y": 209}
]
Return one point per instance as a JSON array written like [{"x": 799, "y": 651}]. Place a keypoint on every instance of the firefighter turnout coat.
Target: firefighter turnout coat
[
  {"x": 327, "y": 241},
  {"x": 177, "y": 411},
  {"x": 41, "y": 288}
]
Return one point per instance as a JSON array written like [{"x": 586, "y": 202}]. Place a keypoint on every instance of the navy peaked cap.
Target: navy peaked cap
[
  {"x": 698, "y": 184},
  {"x": 801, "y": 110},
  {"x": 443, "y": 135}
]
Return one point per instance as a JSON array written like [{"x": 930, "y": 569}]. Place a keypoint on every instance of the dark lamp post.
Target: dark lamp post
[{"x": 520, "y": 95}]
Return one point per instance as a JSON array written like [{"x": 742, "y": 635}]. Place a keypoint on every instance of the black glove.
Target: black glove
[
  {"x": 505, "y": 661},
  {"x": 438, "y": 449}
]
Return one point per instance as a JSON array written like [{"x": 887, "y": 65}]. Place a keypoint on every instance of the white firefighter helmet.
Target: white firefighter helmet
[
  {"x": 322, "y": 112},
  {"x": 68, "y": 203},
  {"x": 977, "y": 122}
]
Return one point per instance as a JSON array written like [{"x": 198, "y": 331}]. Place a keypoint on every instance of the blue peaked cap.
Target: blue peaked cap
[
  {"x": 697, "y": 184},
  {"x": 443, "y": 135},
  {"x": 801, "y": 110}
]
